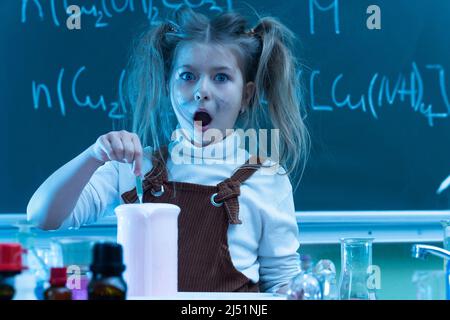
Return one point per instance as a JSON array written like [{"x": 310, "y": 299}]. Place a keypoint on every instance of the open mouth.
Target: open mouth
[{"x": 203, "y": 117}]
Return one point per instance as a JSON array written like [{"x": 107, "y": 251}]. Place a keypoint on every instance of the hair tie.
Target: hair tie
[
  {"x": 252, "y": 32},
  {"x": 172, "y": 28}
]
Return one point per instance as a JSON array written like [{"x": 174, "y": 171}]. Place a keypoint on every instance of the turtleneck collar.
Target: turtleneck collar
[{"x": 183, "y": 151}]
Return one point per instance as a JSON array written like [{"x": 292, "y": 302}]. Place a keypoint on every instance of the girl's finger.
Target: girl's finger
[
  {"x": 128, "y": 148},
  {"x": 138, "y": 152},
  {"x": 117, "y": 147},
  {"x": 105, "y": 149}
]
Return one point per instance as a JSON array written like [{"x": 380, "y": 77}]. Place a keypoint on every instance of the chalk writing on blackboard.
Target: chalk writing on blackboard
[
  {"x": 382, "y": 91},
  {"x": 42, "y": 93},
  {"x": 104, "y": 10},
  {"x": 317, "y": 4},
  {"x": 444, "y": 185}
]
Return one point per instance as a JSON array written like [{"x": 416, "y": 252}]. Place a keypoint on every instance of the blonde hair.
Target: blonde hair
[{"x": 266, "y": 57}]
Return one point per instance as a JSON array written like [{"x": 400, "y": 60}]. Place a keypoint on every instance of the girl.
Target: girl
[{"x": 237, "y": 226}]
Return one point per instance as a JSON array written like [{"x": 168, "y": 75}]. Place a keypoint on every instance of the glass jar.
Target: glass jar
[{"x": 356, "y": 263}]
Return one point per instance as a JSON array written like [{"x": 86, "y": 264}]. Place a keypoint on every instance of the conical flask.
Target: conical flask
[{"x": 356, "y": 269}]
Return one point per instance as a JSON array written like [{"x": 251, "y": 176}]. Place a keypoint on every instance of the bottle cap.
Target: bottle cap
[
  {"x": 305, "y": 262},
  {"x": 11, "y": 257},
  {"x": 305, "y": 257},
  {"x": 25, "y": 236},
  {"x": 107, "y": 257},
  {"x": 58, "y": 276}
]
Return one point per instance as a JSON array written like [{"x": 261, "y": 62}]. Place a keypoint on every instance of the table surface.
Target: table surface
[{"x": 214, "y": 296}]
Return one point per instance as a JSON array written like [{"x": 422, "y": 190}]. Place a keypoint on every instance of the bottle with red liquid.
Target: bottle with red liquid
[
  {"x": 10, "y": 266},
  {"x": 58, "y": 289}
]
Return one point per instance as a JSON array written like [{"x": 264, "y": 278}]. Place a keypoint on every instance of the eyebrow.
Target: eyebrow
[{"x": 213, "y": 68}]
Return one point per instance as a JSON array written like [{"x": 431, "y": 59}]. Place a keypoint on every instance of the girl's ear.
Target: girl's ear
[{"x": 249, "y": 91}]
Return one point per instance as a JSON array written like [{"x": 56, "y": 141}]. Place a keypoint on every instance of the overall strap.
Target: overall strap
[
  {"x": 246, "y": 170},
  {"x": 229, "y": 190}
]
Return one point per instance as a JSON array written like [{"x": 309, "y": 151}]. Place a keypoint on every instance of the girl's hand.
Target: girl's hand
[{"x": 122, "y": 146}]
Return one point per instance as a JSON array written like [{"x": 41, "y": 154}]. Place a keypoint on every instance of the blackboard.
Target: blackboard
[{"x": 378, "y": 100}]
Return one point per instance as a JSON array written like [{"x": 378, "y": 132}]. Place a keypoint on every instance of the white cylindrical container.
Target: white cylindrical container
[{"x": 148, "y": 233}]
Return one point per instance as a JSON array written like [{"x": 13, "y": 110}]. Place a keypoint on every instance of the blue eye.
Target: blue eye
[
  {"x": 222, "y": 77},
  {"x": 187, "y": 76}
]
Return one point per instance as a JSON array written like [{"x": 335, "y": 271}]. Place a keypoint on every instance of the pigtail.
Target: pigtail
[
  {"x": 145, "y": 87},
  {"x": 278, "y": 92}
]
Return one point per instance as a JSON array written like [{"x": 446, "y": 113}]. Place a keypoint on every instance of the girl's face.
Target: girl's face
[{"x": 207, "y": 89}]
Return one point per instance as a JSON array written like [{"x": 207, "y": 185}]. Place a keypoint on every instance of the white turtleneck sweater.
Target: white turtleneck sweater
[{"x": 264, "y": 247}]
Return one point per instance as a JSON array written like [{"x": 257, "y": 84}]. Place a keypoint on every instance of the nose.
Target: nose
[
  {"x": 202, "y": 92},
  {"x": 200, "y": 96}
]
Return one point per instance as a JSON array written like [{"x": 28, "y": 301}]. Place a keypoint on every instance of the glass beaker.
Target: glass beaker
[
  {"x": 430, "y": 284},
  {"x": 356, "y": 263},
  {"x": 446, "y": 226}
]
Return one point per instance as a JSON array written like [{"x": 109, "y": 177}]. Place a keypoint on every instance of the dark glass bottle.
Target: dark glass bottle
[
  {"x": 58, "y": 289},
  {"x": 7, "y": 289},
  {"x": 10, "y": 266},
  {"x": 107, "y": 267}
]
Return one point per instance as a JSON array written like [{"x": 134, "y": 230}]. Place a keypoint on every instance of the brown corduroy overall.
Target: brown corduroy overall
[{"x": 204, "y": 261}]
